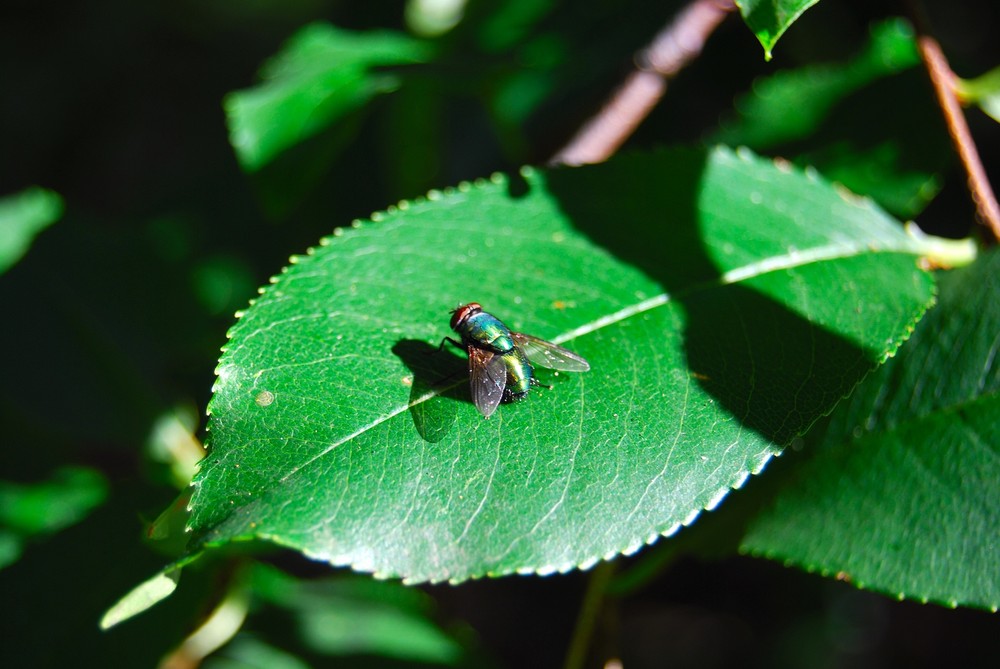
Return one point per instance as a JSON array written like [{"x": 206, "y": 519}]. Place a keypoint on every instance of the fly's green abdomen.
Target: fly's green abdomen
[{"x": 519, "y": 375}]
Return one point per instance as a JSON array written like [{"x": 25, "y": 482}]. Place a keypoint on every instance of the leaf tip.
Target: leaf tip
[{"x": 141, "y": 597}]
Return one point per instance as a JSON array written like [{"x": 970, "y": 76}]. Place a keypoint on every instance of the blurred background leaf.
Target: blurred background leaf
[
  {"x": 357, "y": 616},
  {"x": 984, "y": 91},
  {"x": 23, "y": 216},
  {"x": 319, "y": 76},
  {"x": 869, "y": 123},
  {"x": 46, "y": 507}
]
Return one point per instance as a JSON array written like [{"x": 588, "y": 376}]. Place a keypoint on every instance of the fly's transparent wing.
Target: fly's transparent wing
[
  {"x": 547, "y": 354},
  {"x": 487, "y": 378}
]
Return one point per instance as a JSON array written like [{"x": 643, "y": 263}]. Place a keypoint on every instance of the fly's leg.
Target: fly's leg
[
  {"x": 447, "y": 381},
  {"x": 536, "y": 382},
  {"x": 454, "y": 343}
]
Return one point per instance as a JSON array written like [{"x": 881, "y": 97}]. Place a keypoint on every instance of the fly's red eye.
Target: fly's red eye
[{"x": 459, "y": 315}]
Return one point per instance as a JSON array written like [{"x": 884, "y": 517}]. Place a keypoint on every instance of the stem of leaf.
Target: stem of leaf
[
  {"x": 663, "y": 58},
  {"x": 590, "y": 611},
  {"x": 648, "y": 567},
  {"x": 221, "y": 625},
  {"x": 943, "y": 81}
]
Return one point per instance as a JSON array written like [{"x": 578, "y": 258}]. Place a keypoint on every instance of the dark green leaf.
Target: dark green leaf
[
  {"x": 248, "y": 652},
  {"x": 792, "y": 104},
  {"x": 322, "y": 74},
  {"x": 769, "y": 19},
  {"x": 901, "y": 495},
  {"x": 870, "y": 123},
  {"x": 723, "y": 302},
  {"x": 70, "y": 579},
  {"x": 47, "y": 507},
  {"x": 355, "y": 616}
]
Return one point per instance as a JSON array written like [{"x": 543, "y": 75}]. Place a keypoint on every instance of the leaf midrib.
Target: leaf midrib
[{"x": 752, "y": 270}]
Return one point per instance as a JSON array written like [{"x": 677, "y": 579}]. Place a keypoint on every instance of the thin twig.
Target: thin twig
[
  {"x": 943, "y": 80},
  {"x": 590, "y": 611},
  {"x": 669, "y": 52}
]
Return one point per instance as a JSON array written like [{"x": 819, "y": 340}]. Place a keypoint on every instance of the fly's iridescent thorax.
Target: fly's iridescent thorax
[{"x": 482, "y": 330}]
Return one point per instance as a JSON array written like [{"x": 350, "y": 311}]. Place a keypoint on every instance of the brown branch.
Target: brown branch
[
  {"x": 670, "y": 51},
  {"x": 942, "y": 79}
]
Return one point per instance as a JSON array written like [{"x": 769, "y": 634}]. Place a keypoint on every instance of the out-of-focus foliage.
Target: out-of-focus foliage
[
  {"x": 23, "y": 216},
  {"x": 844, "y": 120},
  {"x": 321, "y": 75},
  {"x": 984, "y": 91},
  {"x": 114, "y": 317},
  {"x": 46, "y": 507}
]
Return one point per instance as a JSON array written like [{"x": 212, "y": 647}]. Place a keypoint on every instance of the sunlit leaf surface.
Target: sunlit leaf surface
[{"x": 723, "y": 303}]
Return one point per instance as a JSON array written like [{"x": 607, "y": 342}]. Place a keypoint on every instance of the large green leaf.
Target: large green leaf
[
  {"x": 901, "y": 495},
  {"x": 769, "y": 19},
  {"x": 723, "y": 302},
  {"x": 321, "y": 74}
]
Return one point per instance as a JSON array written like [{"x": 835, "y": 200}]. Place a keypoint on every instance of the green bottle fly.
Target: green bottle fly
[{"x": 500, "y": 361}]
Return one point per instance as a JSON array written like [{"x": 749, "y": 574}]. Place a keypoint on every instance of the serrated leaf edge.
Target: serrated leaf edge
[
  {"x": 813, "y": 568},
  {"x": 816, "y": 568},
  {"x": 793, "y": 258}
]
